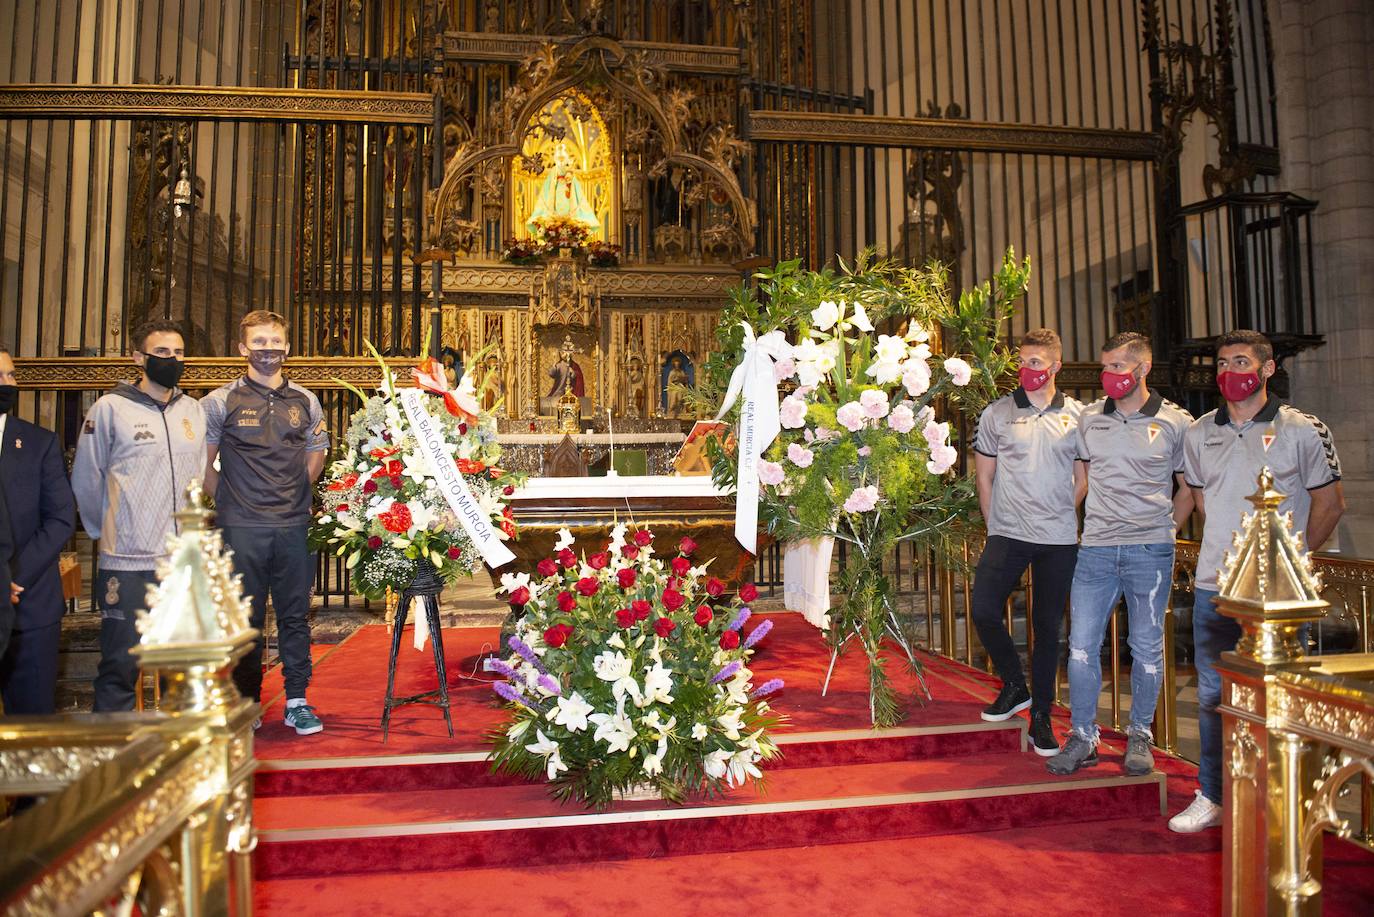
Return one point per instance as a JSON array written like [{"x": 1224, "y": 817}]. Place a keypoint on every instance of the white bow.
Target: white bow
[{"x": 759, "y": 423}]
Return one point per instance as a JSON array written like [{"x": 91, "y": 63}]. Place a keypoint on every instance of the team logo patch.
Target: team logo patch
[
  {"x": 112, "y": 591},
  {"x": 293, "y": 415},
  {"x": 187, "y": 428},
  {"x": 1065, "y": 421},
  {"x": 1268, "y": 437},
  {"x": 1154, "y": 432},
  {"x": 89, "y": 426},
  {"x": 18, "y": 443}
]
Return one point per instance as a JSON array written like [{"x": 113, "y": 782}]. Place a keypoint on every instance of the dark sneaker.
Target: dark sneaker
[
  {"x": 1042, "y": 739},
  {"x": 1012, "y": 700},
  {"x": 302, "y": 718},
  {"x": 257, "y": 724},
  {"x": 1139, "y": 759},
  {"x": 1078, "y": 752}
]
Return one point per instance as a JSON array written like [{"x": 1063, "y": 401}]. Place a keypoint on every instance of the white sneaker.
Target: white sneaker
[{"x": 1200, "y": 815}]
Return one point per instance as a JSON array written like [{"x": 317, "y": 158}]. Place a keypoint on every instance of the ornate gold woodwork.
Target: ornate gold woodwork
[
  {"x": 228, "y": 103},
  {"x": 941, "y": 133},
  {"x": 94, "y": 373},
  {"x": 492, "y": 47}
]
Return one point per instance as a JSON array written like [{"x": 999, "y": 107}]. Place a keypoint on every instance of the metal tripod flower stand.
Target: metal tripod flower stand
[{"x": 426, "y": 586}]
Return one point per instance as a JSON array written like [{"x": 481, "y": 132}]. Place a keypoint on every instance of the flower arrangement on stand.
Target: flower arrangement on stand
[
  {"x": 381, "y": 506},
  {"x": 602, "y": 254},
  {"x": 627, "y": 671},
  {"x": 523, "y": 251},
  {"x": 865, "y": 452},
  {"x": 562, "y": 232}
]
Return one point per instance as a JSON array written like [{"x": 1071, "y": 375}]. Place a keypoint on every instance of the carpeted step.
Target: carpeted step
[{"x": 492, "y": 826}]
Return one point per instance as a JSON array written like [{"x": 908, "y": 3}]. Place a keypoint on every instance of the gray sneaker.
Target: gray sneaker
[
  {"x": 1139, "y": 759},
  {"x": 302, "y": 718},
  {"x": 1078, "y": 752}
]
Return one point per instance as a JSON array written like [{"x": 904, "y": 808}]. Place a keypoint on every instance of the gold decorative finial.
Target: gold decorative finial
[
  {"x": 195, "y": 514},
  {"x": 1269, "y": 585}
]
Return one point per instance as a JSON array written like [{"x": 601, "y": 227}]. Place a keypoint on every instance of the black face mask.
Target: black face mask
[
  {"x": 9, "y": 395},
  {"x": 165, "y": 371},
  {"x": 266, "y": 361}
]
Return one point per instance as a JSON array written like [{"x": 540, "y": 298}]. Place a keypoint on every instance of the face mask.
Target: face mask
[
  {"x": 1238, "y": 386},
  {"x": 1118, "y": 385},
  {"x": 266, "y": 361},
  {"x": 164, "y": 371},
  {"x": 9, "y": 394},
  {"x": 1033, "y": 379}
]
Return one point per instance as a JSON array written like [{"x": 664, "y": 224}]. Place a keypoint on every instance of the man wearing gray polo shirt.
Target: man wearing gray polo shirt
[
  {"x": 1028, "y": 491},
  {"x": 1131, "y": 443},
  {"x": 1224, "y": 452},
  {"x": 269, "y": 436}
]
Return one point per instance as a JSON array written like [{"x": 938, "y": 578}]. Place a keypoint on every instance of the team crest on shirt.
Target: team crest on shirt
[
  {"x": 293, "y": 415},
  {"x": 89, "y": 427},
  {"x": 1154, "y": 430},
  {"x": 1268, "y": 437},
  {"x": 187, "y": 428},
  {"x": 112, "y": 591},
  {"x": 1065, "y": 421}
]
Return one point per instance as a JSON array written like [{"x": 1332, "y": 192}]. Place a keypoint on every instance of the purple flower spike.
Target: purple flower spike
[
  {"x": 548, "y": 684},
  {"x": 526, "y": 653},
  {"x": 740, "y": 617},
  {"x": 500, "y": 667},
  {"x": 758, "y": 634},
  {"x": 768, "y": 687},
  {"x": 510, "y": 693},
  {"x": 727, "y": 672}
]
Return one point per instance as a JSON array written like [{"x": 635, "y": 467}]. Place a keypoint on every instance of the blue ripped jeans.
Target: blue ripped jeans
[
  {"x": 1144, "y": 573},
  {"x": 1213, "y": 634}
]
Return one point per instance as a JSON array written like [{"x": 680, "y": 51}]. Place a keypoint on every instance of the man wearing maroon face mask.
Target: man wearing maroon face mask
[
  {"x": 1223, "y": 452},
  {"x": 1028, "y": 490}
]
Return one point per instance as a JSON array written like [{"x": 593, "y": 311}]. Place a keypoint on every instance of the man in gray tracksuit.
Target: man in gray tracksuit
[{"x": 142, "y": 443}]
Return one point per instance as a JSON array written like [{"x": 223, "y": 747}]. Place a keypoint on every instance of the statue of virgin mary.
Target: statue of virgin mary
[{"x": 561, "y": 195}]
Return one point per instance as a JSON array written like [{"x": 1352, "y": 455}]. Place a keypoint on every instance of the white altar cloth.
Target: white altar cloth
[{"x": 648, "y": 485}]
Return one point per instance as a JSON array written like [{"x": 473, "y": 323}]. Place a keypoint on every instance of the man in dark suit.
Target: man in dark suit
[
  {"x": 7, "y": 599},
  {"x": 42, "y": 516}
]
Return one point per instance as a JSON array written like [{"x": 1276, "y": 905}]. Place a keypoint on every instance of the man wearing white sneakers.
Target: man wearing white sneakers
[{"x": 1223, "y": 454}]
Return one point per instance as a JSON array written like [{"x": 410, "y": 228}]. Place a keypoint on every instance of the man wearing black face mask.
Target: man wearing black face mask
[
  {"x": 140, "y": 446},
  {"x": 42, "y": 518}
]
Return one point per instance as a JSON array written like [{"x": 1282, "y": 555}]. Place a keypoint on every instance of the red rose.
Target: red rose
[
  {"x": 629, "y": 552},
  {"x": 672, "y": 599},
  {"x": 664, "y": 626},
  {"x": 686, "y": 545},
  {"x": 508, "y": 489},
  {"x": 715, "y": 588},
  {"x": 396, "y": 481},
  {"x": 374, "y": 542},
  {"x": 641, "y": 608},
  {"x": 567, "y": 558},
  {"x": 370, "y": 486},
  {"x": 643, "y": 537},
  {"x": 341, "y": 508},
  {"x": 546, "y": 567},
  {"x": 521, "y": 596},
  {"x": 703, "y": 616},
  {"x": 729, "y": 640},
  {"x": 747, "y": 592},
  {"x": 624, "y": 617},
  {"x": 588, "y": 585},
  {"x": 670, "y": 583},
  {"x": 681, "y": 565},
  {"x": 462, "y": 429},
  {"x": 566, "y": 601},
  {"x": 598, "y": 561},
  {"x": 555, "y": 636},
  {"x": 455, "y": 552},
  {"x": 396, "y": 519},
  {"x": 626, "y": 577}
]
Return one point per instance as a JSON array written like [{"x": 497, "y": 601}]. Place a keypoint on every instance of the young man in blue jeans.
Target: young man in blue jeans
[
  {"x": 1224, "y": 451},
  {"x": 1131, "y": 443}
]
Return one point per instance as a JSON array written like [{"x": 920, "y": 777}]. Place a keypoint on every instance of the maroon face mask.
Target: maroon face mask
[
  {"x": 1237, "y": 386},
  {"x": 1118, "y": 385},
  {"x": 1032, "y": 379}
]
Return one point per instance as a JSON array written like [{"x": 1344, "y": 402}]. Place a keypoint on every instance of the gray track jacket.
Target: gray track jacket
[{"x": 133, "y": 461}]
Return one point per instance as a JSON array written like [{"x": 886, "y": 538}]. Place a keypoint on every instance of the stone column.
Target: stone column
[{"x": 1324, "y": 77}]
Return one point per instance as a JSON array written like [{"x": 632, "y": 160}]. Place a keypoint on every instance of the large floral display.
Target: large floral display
[
  {"x": 400, "y": 497},
  {"x": 627, "y": 671},
  {"x": 876, "y": 361}
]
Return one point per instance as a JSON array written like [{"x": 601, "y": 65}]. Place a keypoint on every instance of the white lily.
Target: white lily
[
  {"x": 615, "y": 729},
  {"x": 616, "y": 668},
  {"x": 544, "y": 746},
  {"x": 700, "y": 731},
  {"x": 741, "y": 766},
  {"x": 653, "y": 763},
  {"x": 716, "y": 764},
  {"x": 655, "y": 722},
  {"x": 556, "y": 764},
  {"x": 731, "y": 723},
  {"x": 860, "y": 319},
  {"x": 616, "y": 641},
  {"x": 421, "y": 516},
  {"x": 571, "y": 712},
  {"x": 513, "y": 581},
  {"x": 825, "y": 315},
  {"x": 658, "y": 685},
  {"x": 565, "y": 540},
  {"x": 517, "y": 730},
  {"x": 416, "y": 467}
]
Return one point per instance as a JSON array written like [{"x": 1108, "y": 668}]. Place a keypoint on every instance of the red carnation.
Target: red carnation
[
  {"x": 747, "y": 592},
  {"x": 626, "y": 577},
  {"x": 396, "y": 481},
  {"x": 624, "y": 617},
  {"x": 374, "y": 542},
  {"x": 370, "y": 486},
  {"x": 664, "y": 626},
  {"x": 566, "y": 601},
  {"x": 630, "y": 552},
  {"x": 396, "y": 519},
  {"x": 341, "y": 508},
  {"x": 566, "y": 557},
  {"x": 521, "y": 596},
  {"x": 546, "y": 567},
  {"x": 686, "y": 545},
  {"x": 715, "y": 588},
  {"x": 641, "y": 608},
  {"x": 681, "y": 565},
  {"x": 462, "y": 429},
  {"x": 588, "y": 585},
  {"x": 598, "y": 561},
  {"x": 455, "y": 552},
  {"x": 729, "y": 640},
  {"x": 556, "y": 636},
  {"x": 703, "y": 615},
  {"x": 643, "y": 537},
  {"x": 673, "y": 600}
]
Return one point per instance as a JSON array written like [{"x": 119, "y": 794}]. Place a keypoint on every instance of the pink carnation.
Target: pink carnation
[
  {"x": 784, "y": 369},
  {"x": 916, "y": 377},
  {"x": 942, "y": 458},
  {"x": 799, "y": 455},
  {"x": 851, "y": 416},
  {"x": 792, "y": 412},
  {"x": 959, "y": 370},
  {"x": 874, "y": 403},
  {"x": 901, "y": 419},
  {"x": 770, "y": 473},
  {"x": 862, "y": 500}
]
